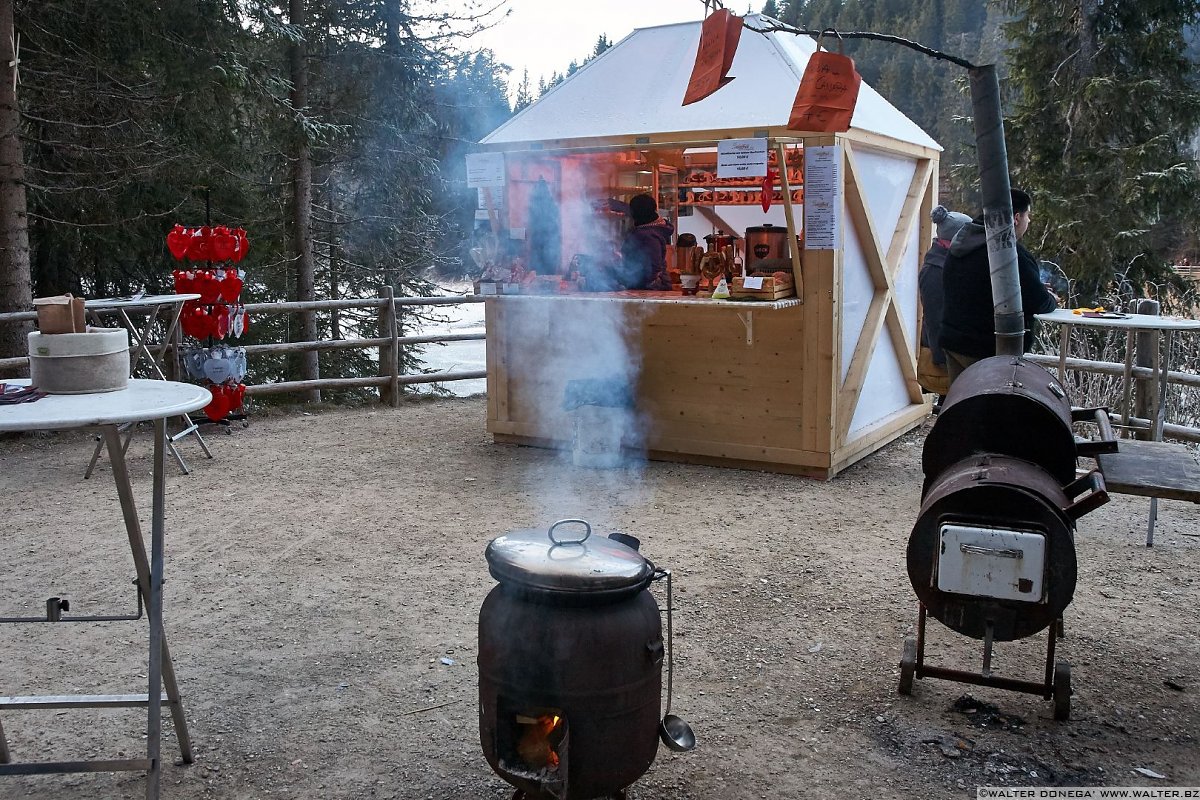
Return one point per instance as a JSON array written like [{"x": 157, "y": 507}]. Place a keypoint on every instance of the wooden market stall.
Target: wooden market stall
[{"x": 807, "y": 384}]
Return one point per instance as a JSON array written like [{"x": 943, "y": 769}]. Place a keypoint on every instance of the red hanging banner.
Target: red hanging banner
[
  {"x": 828, "y": 93},
  {"x": 719, "y": 38}
]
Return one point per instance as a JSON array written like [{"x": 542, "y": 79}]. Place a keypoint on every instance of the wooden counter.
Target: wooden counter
[{"x": 740, "y": 384}]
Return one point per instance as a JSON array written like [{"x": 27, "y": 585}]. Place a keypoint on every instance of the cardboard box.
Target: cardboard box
[{"x": 60, "y": 314}]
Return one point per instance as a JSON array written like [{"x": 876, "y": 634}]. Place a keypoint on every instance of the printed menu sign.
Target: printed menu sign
[
  {"x": 742, "y": 158},
  {"x": 485, "y": 170},
  {"x": 822, "y": 197}
]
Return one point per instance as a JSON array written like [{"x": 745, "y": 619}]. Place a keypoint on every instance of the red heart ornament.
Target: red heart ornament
[
  {"x": 218, "y": 407},
  {"x": 222, "y": 243},
  {"x": 208, "y": 286},
  {"x": 243, "y": 244},
  {"x": 231, "y": 286},
  {"x": 220, "y": 320},
  {"x": 177, "y": 241}
]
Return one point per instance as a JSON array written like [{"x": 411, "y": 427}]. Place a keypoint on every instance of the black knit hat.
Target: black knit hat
[{"x": 642, "y": 209}]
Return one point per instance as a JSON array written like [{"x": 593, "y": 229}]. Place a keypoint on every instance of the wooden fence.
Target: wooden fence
[{"x": 388, "y": 381}]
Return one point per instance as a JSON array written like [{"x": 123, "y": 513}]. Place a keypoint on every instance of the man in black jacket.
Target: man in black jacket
[{"x": 968, "y": 328}]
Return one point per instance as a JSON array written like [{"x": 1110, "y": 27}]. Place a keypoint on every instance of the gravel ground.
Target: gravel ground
[{"x": 325, "y": 573}]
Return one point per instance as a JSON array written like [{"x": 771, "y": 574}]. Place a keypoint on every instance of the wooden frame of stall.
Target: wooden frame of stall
[{"x": 770, "y": 386}]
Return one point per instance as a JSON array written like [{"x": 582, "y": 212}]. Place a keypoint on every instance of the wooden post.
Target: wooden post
[
  {"x": 1145, "y": 356},
  {"x": 792, "y": 242},
  {"x": 389, "y": 353}
]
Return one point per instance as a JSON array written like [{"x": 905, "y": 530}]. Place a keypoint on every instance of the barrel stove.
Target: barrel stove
[
  {"x": 570, "y": 664},
  {"x": 992, "y": 554}
]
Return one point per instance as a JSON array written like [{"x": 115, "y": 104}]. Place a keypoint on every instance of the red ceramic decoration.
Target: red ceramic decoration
[
  {"x": 231, "y": 286},
  {"x": 245, "y": 322},
  {"x": 222, "y": 244},
  {"x": 239, "y": 394},
  {"x": 178, "y": 241},
  {"x": 192, "y": 321}
]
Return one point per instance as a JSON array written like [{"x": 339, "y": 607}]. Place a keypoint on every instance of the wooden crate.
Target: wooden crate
[{"x": 773, "y": 288}]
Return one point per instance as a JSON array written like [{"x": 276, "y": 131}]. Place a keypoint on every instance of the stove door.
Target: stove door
[{"x": 992, "y": 562}]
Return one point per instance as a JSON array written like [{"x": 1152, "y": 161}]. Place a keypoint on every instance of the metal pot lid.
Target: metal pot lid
[{"x": 561, "y": 559}]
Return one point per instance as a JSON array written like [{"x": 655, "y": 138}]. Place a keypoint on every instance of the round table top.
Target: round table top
[
  {"x": 1065, "y": 316},
  {"x": 139, "y": 302},
  {"x": 141, "y": 400}
]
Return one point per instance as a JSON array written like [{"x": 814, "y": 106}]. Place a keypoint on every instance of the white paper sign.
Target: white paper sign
[
  {"x": 742, "y": 158},
  {"x": 485, "y": 170},
  {"x": 752, "y": 283},
  {"x": 822, "y": 197}
]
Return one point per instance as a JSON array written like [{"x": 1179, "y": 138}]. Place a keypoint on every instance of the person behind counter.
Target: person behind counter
[
  {"x": 644, "y": 251},
  {"x": 968, "y": 329}
]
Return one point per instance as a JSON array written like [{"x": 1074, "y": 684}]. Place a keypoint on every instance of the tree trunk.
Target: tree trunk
[
  {"x": 15, "y": 284},
  {"x": 302, "y": 204}
]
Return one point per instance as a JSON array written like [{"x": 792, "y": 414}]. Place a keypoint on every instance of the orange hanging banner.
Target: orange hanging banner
[
  {"x": 828, "y": 93},
  {"x": 719, "y": 38}
]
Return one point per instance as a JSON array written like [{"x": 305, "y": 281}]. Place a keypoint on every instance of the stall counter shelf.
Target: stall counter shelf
[{"x": 753, "y": 389}]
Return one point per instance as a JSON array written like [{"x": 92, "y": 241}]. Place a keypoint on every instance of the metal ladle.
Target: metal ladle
[{"x": 675, "y": 733}]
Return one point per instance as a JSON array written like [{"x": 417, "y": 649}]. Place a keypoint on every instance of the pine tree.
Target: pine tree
[
  {"x": 1109, "y": 177},
  {"x": 524, "y": 97}
]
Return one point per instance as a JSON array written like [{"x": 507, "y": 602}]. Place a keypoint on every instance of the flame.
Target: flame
[{"x": 534, "y": 746}]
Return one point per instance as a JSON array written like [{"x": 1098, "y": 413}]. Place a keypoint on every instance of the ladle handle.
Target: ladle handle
[
  {"x": 659, "y": 574},
  {"x": 587, "y": 531}
]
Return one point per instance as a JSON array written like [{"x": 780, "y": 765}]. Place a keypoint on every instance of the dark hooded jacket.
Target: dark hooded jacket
[
  {"x": 968, "y": 318},
  {"x": 930, "y": 282},
  {"x": 644, "y": 256}
]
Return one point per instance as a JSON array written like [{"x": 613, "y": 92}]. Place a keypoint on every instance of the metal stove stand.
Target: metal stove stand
[{"x": 1056, "y": 686}]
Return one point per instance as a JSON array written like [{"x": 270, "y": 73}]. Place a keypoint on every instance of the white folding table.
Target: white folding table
[
  {"x": 144, "y": 400},
  {"x": 150, "y": 349},
  {"x": 1164, "y": 329}
]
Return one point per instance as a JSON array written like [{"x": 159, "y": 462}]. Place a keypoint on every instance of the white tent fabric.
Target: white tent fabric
[{"x": 636, "y": 87}]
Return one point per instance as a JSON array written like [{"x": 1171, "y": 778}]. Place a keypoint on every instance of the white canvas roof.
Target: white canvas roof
[{"x": 636, "y": 88}]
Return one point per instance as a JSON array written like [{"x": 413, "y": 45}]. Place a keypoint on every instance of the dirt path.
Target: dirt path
[{"x": 325, "y": 572}]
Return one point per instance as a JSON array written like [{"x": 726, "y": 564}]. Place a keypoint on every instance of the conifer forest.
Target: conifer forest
[{"x": 335, "y": 131}]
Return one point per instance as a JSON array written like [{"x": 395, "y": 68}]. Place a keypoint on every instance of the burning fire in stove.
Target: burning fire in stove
[{"x": 538, "y": 740}]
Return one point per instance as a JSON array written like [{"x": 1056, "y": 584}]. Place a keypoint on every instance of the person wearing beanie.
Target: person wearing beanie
[
  {"x": 644, "y": 251},
  {"x": 968, "y": 319},
  {"x": 933, "y": 376}
]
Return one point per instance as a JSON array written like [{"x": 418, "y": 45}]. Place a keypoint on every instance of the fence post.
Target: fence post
[
  {"x": 389, "y": 354},
  {"x": 1146, "y": 356}
]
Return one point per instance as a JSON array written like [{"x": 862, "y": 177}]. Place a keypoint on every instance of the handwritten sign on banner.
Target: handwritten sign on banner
[
  {"x": 719, "y": 38},
  {"x": 827, "y": 95}
]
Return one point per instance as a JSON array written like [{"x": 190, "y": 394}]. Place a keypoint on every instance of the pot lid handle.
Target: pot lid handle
[{"x": 583, "y": 522}]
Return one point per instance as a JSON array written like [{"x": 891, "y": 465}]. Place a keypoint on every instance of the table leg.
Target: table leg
[
  {"x": 1064, "y": 344},
  {"x": 5, "y": 758},
  {"x": 161, "y": 667},
  {"x": 154, "y": 611}
]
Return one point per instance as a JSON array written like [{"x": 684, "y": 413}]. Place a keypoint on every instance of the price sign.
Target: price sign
[
  {"x": 742, "y": 158},
  {"x": 485, "y": 170}
]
